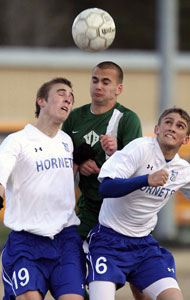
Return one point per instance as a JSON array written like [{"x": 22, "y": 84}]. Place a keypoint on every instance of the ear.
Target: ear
[
  {"x": 119, "y": 89},
  {"x": 156, "y": 129},
  {"x": 40, "y": 102},
  {"x": 186, "y": 140}
]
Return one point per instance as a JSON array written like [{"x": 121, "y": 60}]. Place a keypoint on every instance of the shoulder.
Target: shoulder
[
  {"x": 145, "y": 143},
  {"x": 127, "y": 113},
  {"x": 15, "y": 135},
  {"x": 75, "y": 117},
  {"x": 125, "y": 110},
  {"x": 65, "y": 136},
  {"x": 13, "y": 141},
  {"x": 148, "y": 140},
  {"x": 66, "y": 140},
  {"x": 76, "y": 114},
  {"x": 181, "y": 161},
  {"x": 80, "y": 110}
]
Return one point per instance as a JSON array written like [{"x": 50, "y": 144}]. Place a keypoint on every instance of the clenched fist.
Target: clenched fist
[
  {"x": 108, "y": 143},
  {"x": 158, "y": 178},
  {"x": 89, "y": 167}
]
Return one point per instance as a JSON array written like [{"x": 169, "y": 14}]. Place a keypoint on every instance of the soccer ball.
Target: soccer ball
[{"x": 93, "y": 30}]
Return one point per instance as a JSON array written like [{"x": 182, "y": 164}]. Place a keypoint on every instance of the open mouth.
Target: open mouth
[
  {"x": 64, "y": 108},
  {"x": 170, "y": 136}
]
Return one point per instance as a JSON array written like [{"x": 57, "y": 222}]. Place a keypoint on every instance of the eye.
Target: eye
[
  {"x": 61, "y": 94},
  {"x": 181, "y": 126},
  {"x": 94, "y": 80}
]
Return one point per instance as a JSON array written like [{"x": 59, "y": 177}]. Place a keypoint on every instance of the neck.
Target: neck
[
  {"x": 168, "y": 152},
  {"x": 169, "y": 155},
  {"x": 48, "y": 128},
  {"x": 100, "y": 109}
]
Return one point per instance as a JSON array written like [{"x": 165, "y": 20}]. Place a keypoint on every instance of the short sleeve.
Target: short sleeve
[
  {"x": 123, "y": 163},
  {"x": 9, "y": 151}
]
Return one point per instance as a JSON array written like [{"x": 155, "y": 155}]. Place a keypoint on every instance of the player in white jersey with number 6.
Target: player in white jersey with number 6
[
  {"x": 136, "y": 183},
  {"x": 44, "y": 251}
]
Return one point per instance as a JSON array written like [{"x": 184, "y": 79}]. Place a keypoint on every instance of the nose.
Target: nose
[
  {"x": 98, "y": 85},
  {"x": 68, "y": 99},
  {"x": 172, "y": 128}
]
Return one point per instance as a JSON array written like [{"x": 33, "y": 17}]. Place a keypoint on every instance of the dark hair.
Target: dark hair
[
  {"x": 184, "y": 115},
  {"x": 45, "y": 88},
  {"x": 111, "y": 65}
]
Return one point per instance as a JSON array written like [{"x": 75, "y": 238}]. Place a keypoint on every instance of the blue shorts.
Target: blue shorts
[
  {"x": 32, "y": 262},
  {"x": 118, "y": 258}
]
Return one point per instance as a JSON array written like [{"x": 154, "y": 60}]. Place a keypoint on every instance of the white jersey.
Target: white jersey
[
  {"x": 136, "y": 213},
  {"x": 37, "y": 172}
]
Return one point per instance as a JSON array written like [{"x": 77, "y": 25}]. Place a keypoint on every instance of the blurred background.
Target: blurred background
[{"x": 152, "y": 46}]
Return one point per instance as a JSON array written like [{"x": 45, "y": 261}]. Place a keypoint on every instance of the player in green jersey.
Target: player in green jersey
[{"x": 105, "y": 126}]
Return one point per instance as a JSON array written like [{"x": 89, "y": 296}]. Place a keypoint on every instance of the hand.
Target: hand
[
  {"x": 89, "y": 167},
  {"x": 158, "y": 178},
  {"x": 108, "y": 143}
]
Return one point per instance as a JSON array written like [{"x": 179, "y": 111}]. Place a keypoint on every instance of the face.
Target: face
[
  {"x": 172, "y": 132},
  {"x": 59, "y": 103},
  {"x": 104, "y": 86}
]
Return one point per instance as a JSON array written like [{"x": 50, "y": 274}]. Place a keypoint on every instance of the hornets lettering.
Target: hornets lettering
[
  {"x": 54, "y": 163},
  {"x": 158, "y": 191}
]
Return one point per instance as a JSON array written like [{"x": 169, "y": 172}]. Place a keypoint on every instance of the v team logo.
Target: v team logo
[{"x": 91, "y": 138}]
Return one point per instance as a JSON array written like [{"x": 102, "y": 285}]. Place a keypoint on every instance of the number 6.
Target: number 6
[{"x": 101, "y": 267}]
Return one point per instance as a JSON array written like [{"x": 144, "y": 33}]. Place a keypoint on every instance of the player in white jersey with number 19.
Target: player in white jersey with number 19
[
  {"x": 136, "y": 183},
  {"x": 43, "y": 251}
]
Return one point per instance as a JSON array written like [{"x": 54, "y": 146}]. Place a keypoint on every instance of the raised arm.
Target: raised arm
[{"x": 119, "y": 187}]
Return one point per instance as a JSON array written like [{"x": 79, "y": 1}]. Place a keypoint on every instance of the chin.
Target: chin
[{"x": 97, "y": 98}]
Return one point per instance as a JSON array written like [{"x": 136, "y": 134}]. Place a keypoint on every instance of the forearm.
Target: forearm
[{"x": 119, "y": 187}]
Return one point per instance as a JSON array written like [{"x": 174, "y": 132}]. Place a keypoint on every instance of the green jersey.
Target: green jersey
[{"x": 84, "y": 126}]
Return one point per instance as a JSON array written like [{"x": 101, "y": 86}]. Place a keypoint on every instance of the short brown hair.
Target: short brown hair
[
  {"x": 45, "y": 88},
  {"x": 111, "y": 65},
  {"x": 184, "y": 115}
]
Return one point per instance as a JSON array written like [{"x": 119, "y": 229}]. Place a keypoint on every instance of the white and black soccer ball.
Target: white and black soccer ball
[{"x": 93, "y": 30}]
